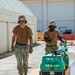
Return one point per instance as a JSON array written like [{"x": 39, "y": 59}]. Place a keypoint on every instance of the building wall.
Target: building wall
[
  {"x": 36, "y": 8},
  {"x": 63, "y": 11},
  {"x": 3, "y": 37}
]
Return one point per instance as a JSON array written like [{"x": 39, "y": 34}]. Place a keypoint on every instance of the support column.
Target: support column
[{"x": 44, "y": 15}]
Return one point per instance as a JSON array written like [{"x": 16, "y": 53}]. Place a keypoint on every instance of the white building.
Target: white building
[
  {"x": 9, "y": 13},
  {"x": 63, "y": 11}
]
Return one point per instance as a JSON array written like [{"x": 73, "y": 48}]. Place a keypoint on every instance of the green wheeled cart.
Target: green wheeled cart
[{"x": 55, "y": 63}]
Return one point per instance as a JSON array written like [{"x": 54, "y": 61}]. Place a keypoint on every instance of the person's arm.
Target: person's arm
[
  {"x": 46, "y": 39},
  {"x": 61, "y": 39},
  {"x": 31, "y": 44},
  {"x": 31, "y": 41},
  {"x": 13, "y": 40}
]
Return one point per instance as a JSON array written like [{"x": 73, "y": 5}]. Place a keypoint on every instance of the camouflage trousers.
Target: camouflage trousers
[
  {"x": 22, "y": 54},
  {"x": 49, "y": 49}
]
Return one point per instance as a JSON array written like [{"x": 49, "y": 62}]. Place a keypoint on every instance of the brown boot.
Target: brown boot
[
  {"x": 21, "y": 74},
  {"x": 25, "y": 73}
]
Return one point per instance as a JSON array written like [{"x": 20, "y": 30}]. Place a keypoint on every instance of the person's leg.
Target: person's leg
[
  {"x": 25, "y": 65},
  {"x": 25, "y": 59},
  {"x": 48, "y": 50},
  {"x": 55, "y": 48},
  {"x": 18, "y": 54}
]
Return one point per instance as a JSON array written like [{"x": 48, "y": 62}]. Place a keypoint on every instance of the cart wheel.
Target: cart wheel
[
  {"x": 40, "y": 73},
  {"x": 59, "y": 73},
  {"x": 64, "y": 73}
]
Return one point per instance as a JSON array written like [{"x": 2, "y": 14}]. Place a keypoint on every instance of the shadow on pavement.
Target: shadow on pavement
[{"x": 7, "y": 54}]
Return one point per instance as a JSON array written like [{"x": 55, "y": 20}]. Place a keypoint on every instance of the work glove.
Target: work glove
[
  {"x": 64, "y": 41},
  {"x": 12, "y": 48},
  {"x": 30, "y": 50}
]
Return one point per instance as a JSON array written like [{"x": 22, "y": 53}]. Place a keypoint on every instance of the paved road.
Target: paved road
[{"x": 8, "y": 64}]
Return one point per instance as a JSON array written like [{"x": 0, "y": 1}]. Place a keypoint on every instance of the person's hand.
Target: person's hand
[
  {"x": 64, "y": 41},
  {"x": 30, "y": 50},
  {"x": 12, "y": 48}
]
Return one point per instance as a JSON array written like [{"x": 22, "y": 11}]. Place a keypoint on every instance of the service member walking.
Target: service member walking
[{"x": 21, "y": 34}]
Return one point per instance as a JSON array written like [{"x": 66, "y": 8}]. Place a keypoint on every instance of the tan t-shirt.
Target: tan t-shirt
[
  {"x": 52, "y": 36},
  {"x": 23, "y": 34}
]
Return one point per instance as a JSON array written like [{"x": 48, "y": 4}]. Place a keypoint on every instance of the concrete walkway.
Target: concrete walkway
[{"x": 8, "y": 64}]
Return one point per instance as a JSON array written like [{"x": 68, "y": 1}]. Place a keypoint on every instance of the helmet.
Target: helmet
[
  {"x": 22, "y": 18},
  {"x": 52, "y": 23}
]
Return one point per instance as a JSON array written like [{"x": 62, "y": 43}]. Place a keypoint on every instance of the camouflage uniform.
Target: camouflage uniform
[
  {"x": 21, "y": 53},
  {"x": 49, "y": 49}
]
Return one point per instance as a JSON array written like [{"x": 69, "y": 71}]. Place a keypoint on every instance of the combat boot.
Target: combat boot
[
  {"x": 21, "y": 74},
  {"x": 25, "y": 73}
]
